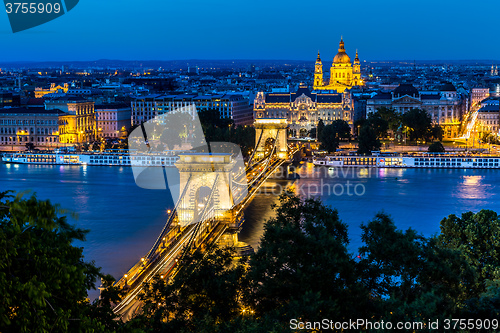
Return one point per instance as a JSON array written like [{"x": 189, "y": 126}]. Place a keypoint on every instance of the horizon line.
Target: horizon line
[{"x": 239, "y": 60}]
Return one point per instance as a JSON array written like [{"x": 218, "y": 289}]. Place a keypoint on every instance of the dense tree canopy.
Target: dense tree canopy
[
  {"x": 175, "y": 128},
  {"x": 378, "y": 124},
  {"x": 43, "y": 277},
  {"x": 436, "y": 147},
  {"x": 418, "y": 124},
  {"x": 320, "y": 128},
  {"x": 217, "y": 129},
  {"x": 391, "y": 116},
  {"x": 330, "y": 135},
  {"x": 367, "y": 140},
  {"x": 302, "y": 269}
]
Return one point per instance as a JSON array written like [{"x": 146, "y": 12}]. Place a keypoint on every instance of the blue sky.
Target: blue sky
[{"x": 258, "y": 29}]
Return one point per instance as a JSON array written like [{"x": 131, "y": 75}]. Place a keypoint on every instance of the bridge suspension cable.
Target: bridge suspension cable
[
  {"x": 265, "y": 167},
  {"x": 255, "y": 149},
  {"x": 169, "y": 222},
  {"x": 208, "y": 208}
]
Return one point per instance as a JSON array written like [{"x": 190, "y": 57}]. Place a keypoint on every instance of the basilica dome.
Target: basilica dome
[{"x": 341, "y": 57}]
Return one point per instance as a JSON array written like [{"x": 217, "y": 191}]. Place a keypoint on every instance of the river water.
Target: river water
[{"x": 124, "y": 220}]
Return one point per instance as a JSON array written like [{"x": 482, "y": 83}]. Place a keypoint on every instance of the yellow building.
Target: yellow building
[
  {"x": 40, "y": 92},
  {"x": 343, "y": 74},
  {"x": 78, "y": 124}
]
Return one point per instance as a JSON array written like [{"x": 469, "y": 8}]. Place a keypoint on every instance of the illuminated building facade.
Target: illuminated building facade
[
  {"x": 488, "y": 117},
  {"x": 113, "y": 120},
  {"x": 19, "y": 126},
  {"x": 444, "y": 106},
  {"x": 230, "y": 106},
  {"x": 478, "y": 95},
  {"x": 343, "y": 74},
  {"x": 78, "y": 124},
  {"x": 40, "y": 92},
  {"x": 303, "y": 109}
]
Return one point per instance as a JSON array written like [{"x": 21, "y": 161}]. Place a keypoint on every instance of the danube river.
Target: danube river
[{"x": 124, "y": 220}]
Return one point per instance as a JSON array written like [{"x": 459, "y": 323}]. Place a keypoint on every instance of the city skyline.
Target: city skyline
[{"x": 272, "y": 31}]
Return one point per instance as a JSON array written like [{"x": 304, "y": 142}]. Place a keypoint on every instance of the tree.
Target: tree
[
  {"x": 491, "y": 138},
  {"x": 244, "y": 136},
  {"x": 176, "y": 128},
  {"x": 357, "y": 125},
  {"x": 332, "y": 133},
  {"x": 391, "y": 116},
  {"x": 476, "y": 237},
  {"x": 43, "y": 277},
  {"x": 436, "y": 147},
  {"x": 410, "y": 277},
  {"x": 312, "y": 132},
  {"x": 29, "y": 146},
  {"x": 319, "y": 129},
  {"x": 367, "y": 140},
  {"x": 418, "y": 122},
  {"x": 437, "y": 132},
  {"x": 302, "y": 268},
  {"x": 204, "y": 296},
  {"x": 217, "y": 129},
  {"x": 378, "y": 124}
]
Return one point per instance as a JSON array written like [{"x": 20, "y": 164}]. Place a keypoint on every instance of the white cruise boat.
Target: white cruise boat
[
  {"x": 416, "y": 161},
  {"x": 167, "y": 158}
]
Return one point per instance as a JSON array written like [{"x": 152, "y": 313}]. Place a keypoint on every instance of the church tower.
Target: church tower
[
  {"x": 318, "y": 73},
  {"x": 356, "y": 71},
  {"x": 343, "y": 74},
  {"x": 341, "y": 70}
]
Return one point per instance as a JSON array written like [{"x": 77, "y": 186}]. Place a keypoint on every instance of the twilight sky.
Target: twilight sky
[{"x": 261, "y": 29}]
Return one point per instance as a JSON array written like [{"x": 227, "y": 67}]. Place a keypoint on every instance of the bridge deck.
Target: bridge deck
[{"x": 174, "y": 240}]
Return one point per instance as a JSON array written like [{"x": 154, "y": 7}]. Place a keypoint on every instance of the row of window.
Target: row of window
[
  {"x": 491, "y": 160},
  {"x": 25, "y": 139},
  {"x": 27, "y": 122},
  {"x": 458, "y": 164}
]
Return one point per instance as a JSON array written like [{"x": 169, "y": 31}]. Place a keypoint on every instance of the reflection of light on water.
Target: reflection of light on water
[
  {"x": 472, "y": 187},
  {"x": 472, "y": 180},
  {"x": 332, "y": 172},
  {"x": 364, "y": 173},
  {"x": 382, "y": 172}
]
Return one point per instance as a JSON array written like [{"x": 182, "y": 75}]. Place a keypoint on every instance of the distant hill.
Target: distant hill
[{"x": 222, "y": 64}]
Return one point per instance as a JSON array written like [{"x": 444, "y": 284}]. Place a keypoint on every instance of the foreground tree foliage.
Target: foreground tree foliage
[
  {"x": 206, "y": 292},
  {"x": 303, "y": 269},
  {"x": 43, "y": 277},
  {"x": 409, "y": 276}
]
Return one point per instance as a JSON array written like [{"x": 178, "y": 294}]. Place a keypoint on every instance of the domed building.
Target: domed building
[{"x": 343, "y": 74}]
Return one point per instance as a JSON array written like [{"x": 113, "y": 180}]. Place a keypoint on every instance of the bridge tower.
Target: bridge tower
[
  {"x": 270, "y": 131},
  {"x": 207, "y": 180}
]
